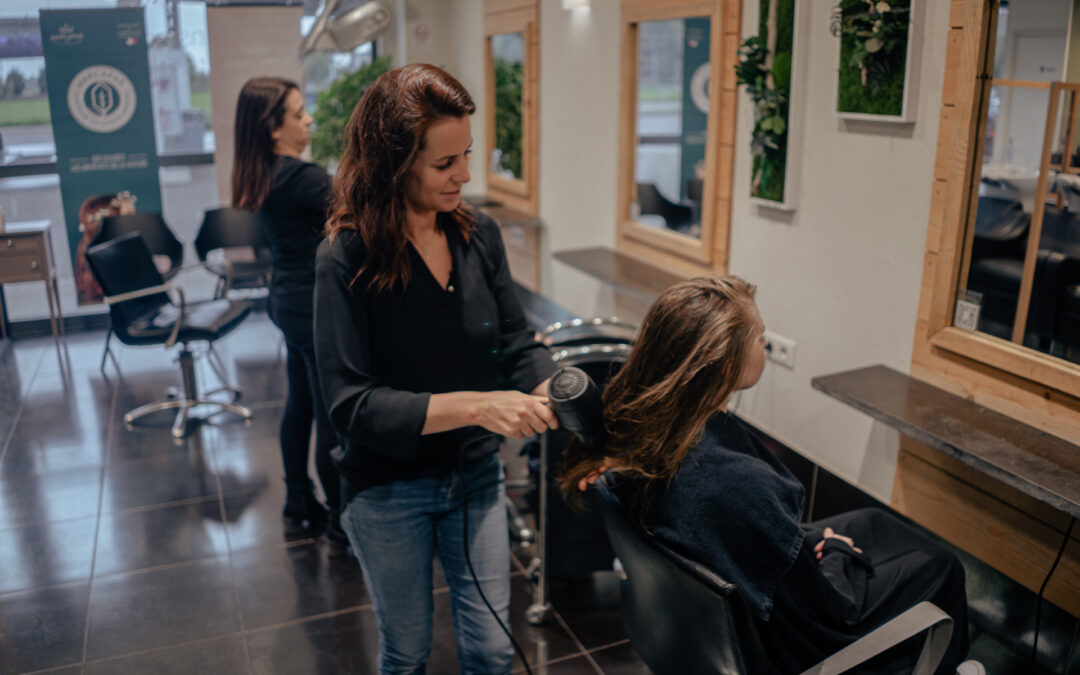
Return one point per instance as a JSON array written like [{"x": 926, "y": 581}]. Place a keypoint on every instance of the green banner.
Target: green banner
[
  {"x": 98, "y": 79},
  {"x": 695, "y": 105}
]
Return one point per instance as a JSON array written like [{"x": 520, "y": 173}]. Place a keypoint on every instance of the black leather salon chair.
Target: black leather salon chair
[
  {"x": 683, "y": 618},
  {"x": 225, "y": 230},
  {"x": 165, "y": 249},
  {"x": 142, "y": 313},
  {"x": 677, "y": 216}
]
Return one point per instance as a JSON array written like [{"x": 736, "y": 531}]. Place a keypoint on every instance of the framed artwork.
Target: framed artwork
[
  {"x": 769, "y": 65},
  {"x": 874, "y": 69}
]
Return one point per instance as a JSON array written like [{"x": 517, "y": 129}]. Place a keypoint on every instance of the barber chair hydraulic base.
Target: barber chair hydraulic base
[{"x": 187, "y": 400}]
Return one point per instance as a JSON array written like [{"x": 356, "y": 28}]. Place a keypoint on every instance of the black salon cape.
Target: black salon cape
[
  {"x": 735, "y": 508},
  {"x": 381, "y": 355}
]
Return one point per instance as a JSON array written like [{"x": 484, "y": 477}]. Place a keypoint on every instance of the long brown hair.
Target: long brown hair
[
  {"x": 382, "y": 139},
  {"x": 686, "y": 362},
  {"x": 260, "y": 110}
]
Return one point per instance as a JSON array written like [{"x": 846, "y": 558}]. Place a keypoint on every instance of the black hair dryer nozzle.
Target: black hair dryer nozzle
[{"x": 575, "y": 400}]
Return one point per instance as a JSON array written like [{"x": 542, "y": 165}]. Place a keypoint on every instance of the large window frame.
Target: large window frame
[
  {"x": 1004, "y": 375},
  {"x": 514, "y": 16},
  {"x": 678, "y": 252}
]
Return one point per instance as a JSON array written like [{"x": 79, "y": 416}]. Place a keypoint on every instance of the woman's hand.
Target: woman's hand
[
  {"x": 512, "y": 413},
  {"x": 585, "y": 482},
  {"x": 829, "y": 534}
]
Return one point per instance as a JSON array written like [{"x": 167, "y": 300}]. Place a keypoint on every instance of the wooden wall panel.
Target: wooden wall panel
[{"x": 993, "y": 522}]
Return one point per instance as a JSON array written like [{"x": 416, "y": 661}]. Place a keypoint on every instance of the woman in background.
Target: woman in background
[{"x": 292, "y": 195}]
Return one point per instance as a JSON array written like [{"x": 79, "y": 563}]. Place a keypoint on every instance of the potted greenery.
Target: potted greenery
[{"x": 333, "y": 107}]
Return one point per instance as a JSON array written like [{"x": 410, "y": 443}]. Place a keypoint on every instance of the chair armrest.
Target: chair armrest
[
  {"x": 923, "y": 616},
  {"x": 152, "y": 290},
  {"x": 209, "y": 267}
]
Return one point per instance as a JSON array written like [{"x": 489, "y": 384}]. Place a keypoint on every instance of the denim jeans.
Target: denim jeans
[{"x": 397, "y": 528}]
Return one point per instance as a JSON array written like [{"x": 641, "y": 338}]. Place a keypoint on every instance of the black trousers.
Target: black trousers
[
  {"x": 905, "y": 569},
  {"x": 303, "y": 406}
]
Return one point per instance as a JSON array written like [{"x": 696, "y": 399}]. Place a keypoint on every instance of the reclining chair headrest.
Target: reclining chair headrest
[{"x": 575, "y": 400}]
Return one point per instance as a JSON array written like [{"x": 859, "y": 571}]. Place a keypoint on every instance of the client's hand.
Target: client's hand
[
  {"x": 585, "y": 482},
  {"x": 512, "y": 413},
  {"x": 829, "y": 534}
]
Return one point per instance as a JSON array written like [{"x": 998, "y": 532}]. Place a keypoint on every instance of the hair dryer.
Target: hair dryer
[{"x": 575, "y": 400}]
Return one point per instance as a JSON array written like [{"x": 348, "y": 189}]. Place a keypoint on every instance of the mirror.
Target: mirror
[
  {"x": 508, "y": 59},
  {"x": 1036, "y": 74},
  {"x": 672, "y": 119}
]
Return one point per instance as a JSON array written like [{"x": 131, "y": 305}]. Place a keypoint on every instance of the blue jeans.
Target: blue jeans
[{"x": 397, "y": 528}]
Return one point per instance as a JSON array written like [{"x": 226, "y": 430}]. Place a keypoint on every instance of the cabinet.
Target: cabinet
[{"x": 26, "y": 255}]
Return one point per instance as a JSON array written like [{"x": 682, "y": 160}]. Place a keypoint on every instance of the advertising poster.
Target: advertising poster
[
  {"x": 98, "y": 79},
  {"x": 695, "y": 105}
]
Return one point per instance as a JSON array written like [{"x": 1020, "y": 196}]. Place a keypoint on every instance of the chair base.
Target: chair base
[
  {"x": 183, "y": 400},
  {"x": 183, "y": 407}
]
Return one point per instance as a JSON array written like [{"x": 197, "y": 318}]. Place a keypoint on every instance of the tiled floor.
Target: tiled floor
[{"x": 122, "y": 552}]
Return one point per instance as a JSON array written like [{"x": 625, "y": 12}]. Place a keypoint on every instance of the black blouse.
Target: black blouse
[
  {"x": 295, "y": 213},
  {"x": 382, "y": 354}
]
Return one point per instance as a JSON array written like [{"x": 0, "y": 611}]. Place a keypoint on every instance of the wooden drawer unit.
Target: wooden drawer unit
[{"x": 26, "y": 255}]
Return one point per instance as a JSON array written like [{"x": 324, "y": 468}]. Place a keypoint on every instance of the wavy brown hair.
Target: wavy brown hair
[
  {"x": 383, "y": 138},
  {"x": 685, "y": 364},
  {"x": 260, "y": 110}
]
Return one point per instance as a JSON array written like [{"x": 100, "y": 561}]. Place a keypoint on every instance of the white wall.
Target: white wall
[
  {"x": 579, "y": 131},
  {"x": 840, "y": 276}
]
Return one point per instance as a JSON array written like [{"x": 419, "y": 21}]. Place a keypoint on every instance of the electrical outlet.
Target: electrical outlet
[{"x": 780, "y": 349}]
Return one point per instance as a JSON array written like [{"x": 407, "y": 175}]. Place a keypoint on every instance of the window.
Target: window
[
  {"x": 1001, "y": 284},
  {"x": 677, "y": 131},
  {"x": 512, "y": 85}
]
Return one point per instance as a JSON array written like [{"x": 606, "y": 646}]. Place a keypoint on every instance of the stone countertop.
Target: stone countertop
[
  {"x": 1038, "y": 464},
  {"x": 621, "y": 271}
]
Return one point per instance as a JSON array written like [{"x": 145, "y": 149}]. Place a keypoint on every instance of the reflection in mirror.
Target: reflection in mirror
[
  {"x": 508, "y": 57},
  {"x": 1036, "y": 68},
  {"x": 672, "y": 122}
]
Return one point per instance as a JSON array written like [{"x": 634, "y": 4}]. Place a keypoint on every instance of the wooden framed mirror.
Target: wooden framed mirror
[
  {"x": 677, "y": 131},
  {"x": 511, "y": 90}
]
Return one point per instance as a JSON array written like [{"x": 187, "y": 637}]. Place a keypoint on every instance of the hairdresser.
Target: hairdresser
[
  {"x": 425, "y": 360},
  {"x": 292, "y": 195}
]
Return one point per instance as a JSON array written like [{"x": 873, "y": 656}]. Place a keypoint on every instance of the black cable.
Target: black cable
[
  {"x": 468, "y": 561},
  {"x": 1042, "y": 589}
]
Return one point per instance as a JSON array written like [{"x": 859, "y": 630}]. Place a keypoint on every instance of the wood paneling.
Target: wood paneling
[{"x": 991, "y": 522}]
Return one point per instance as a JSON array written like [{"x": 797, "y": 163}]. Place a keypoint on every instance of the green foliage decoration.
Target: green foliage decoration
[
  {"x": 873, "y": 55},
  {"x": 769, "y": 87},
  {"x": 509, "y": 88},
  {"x": 334, "y": 106}
]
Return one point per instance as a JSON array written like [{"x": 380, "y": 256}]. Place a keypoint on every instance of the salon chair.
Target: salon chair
[
  {"x": 165, "y": 249},
  {"x": 678, "y": 217},
  {"x": 142, "y": 313},
  {"x": 683, "y": 618},
  {"x": 572, "y": 544},
  {"x": 225, "y": 231}
]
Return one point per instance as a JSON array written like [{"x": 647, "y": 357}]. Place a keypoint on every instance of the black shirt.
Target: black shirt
[
  {"x": 295, "y": 213},
  {"x": 382, "y": 354}
]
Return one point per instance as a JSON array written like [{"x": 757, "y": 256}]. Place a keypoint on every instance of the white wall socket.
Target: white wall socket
[{"x": 780, "y": 349}]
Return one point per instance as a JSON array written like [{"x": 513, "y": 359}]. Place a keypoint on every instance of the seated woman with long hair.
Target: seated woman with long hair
[{"x": 700, "y": 480}]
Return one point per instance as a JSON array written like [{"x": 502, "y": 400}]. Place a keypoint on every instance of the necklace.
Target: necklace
[{"x": 422, "y": 248}]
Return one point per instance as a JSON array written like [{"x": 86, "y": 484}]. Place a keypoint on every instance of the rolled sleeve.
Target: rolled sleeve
[{"x": 364, "y": 412}]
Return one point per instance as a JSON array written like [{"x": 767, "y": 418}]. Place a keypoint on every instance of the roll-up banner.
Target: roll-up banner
[{"x": 98, "y": 79}]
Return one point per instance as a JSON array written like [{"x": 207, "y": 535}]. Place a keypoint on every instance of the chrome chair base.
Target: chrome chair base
[{"x": 184, "y": 400}]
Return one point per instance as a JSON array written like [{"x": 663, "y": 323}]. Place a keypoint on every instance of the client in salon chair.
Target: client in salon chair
[{"x": 701, "y": 481}]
